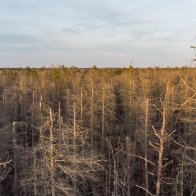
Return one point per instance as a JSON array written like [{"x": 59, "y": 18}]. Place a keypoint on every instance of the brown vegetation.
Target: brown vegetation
[{"x": 97, "y": 131}]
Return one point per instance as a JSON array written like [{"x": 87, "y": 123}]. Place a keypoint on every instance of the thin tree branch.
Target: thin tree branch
[{"x": 145, "y": 190}]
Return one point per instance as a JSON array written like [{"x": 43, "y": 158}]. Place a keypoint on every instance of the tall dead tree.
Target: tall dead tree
[
  {"x": 146, "y": 148},
  {"x": 92, "y": 113},
  {"x": 103, "y": 118},
  {"x": 52, "y": 156},
  {"x": 15, "y": 183}
]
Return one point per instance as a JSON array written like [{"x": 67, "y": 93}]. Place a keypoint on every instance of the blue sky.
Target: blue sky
[{"x": 102, "y": 33}]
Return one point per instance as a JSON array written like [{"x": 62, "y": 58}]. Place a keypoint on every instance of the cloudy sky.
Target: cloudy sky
[{"x": 103, "y": 33}]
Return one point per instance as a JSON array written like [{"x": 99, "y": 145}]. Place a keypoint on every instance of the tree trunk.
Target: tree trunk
[
  {"x": 146, "y": 149},
  {"x": 15, "y": 183},
  {"x": 128, "y": 167},
  {"x": 161, "y": 149},
  {"x": 103, "y": 120},
  {"x": 92, "y": 114},
  {"x": 34, "y": 173},
  {"x": 52, "y": 156}
]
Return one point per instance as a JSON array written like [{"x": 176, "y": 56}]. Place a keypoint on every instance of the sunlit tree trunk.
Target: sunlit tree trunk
[
  {"x": 128, "y": 166},
  {"x": 41, "y": 122},
  {"x": 92, "y": 113},
  {"x": 146, "y": 149},
  {"x": 52, "y": 156},
  {"x": 81, "y": 107},
  {"x": 15, "y": 183},
  {"x": 161, "y": 136},
  {"x": 103, "y": 118}
]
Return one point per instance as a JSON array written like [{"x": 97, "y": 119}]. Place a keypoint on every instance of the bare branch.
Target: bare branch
[
  {"x": 144, "y": 159},
  {"x": 167, "y": 164},
  {"x": 153, "y": 146},
  {"x": 145, "y": 190},
  {"x": 156, "y": 133},
  {"x": 5, "y": 163}
]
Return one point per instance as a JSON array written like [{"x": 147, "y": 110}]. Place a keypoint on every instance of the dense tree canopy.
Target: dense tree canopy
[{"x": 71, "y": 131}]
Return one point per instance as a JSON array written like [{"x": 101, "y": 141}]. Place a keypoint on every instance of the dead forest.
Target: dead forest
[{"x": 98, "y": 132}]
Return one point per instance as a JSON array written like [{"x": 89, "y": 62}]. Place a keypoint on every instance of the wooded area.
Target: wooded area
[{"x": 110, "y": 132}]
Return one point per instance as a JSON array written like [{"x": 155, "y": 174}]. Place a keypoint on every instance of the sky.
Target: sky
[{"x": 105, "y": 33}]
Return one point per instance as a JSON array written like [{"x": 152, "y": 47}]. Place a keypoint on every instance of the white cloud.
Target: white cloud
[{"x": 106, "y": 32}]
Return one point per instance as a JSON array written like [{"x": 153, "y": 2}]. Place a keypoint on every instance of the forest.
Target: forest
[{"x": 97, "y": 131}]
